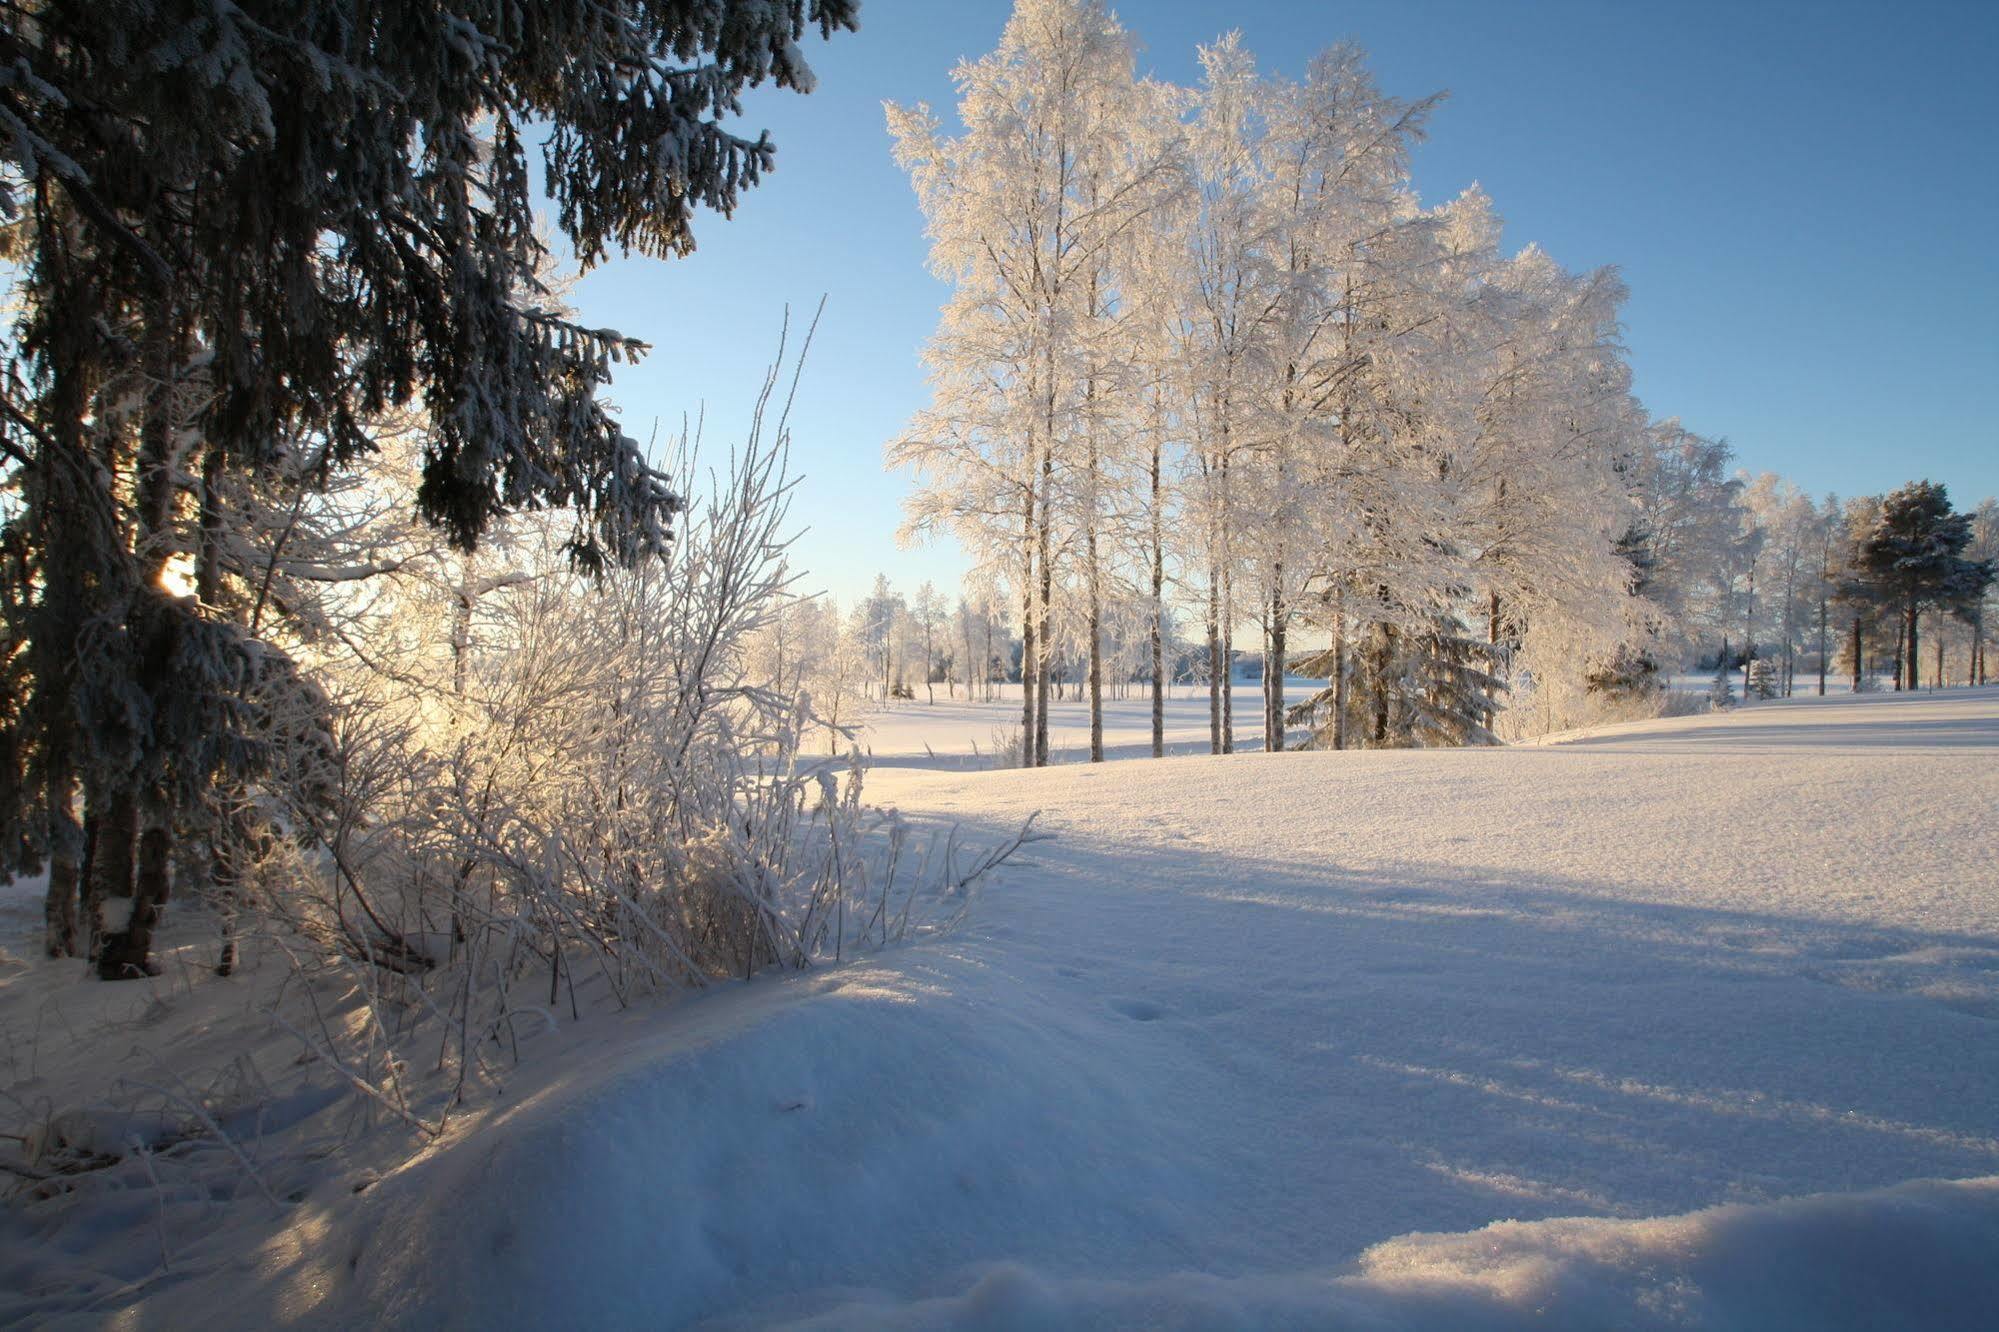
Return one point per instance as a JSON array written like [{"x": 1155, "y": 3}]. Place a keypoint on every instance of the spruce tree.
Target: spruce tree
[
  {"x": 1721, "y": 691},
  {"x": 1763, "y": 678},
  {"x": 244, "y": 230}
]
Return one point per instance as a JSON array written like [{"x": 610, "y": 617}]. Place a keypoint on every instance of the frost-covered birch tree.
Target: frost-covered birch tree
[
  {"x": 1025, "y": 209},
  {"x": 1206, "y": 347}
]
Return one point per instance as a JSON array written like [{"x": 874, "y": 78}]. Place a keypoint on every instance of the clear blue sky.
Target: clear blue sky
[{"x": 1804, "y": 199}]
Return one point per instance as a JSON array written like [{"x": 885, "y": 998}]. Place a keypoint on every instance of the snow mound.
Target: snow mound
[
  {"x": 827, "y": 1154},
  {"x": 780, "y": 1138}
]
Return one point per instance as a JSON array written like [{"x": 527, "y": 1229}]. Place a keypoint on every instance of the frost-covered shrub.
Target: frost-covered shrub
[
  {"x": 1006, "y": 747},
  {"x": 541, "y": 781}
]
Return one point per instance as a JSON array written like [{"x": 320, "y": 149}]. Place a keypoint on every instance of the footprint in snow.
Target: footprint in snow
[{"x": 1138, "y": 1010}]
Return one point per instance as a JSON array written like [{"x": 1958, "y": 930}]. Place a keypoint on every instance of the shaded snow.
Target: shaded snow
[{"x": 1275, "y": 1040}]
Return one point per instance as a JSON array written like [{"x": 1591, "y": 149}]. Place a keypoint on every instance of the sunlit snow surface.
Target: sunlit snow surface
[{"x": 1274, "y": 1040}]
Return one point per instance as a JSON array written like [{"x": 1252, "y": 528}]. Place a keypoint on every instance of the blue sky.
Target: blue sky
[{"x": 1803, "y": 198}]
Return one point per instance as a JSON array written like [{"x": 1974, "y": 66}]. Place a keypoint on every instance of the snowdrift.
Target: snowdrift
[
  {"x": 795, "y": 1140},
  {"x": 1918, "y": 1255}
]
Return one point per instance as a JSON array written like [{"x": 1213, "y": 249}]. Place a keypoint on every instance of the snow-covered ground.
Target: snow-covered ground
[
  {"x": 961, "y": 733},
  {"x": 952, "y": 731},
  {"x": 1284, "y": 1040}
]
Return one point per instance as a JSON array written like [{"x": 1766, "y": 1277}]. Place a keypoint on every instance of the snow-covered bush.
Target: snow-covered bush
[
  {"x": 541, "y": 790},
  {"x": 613, "y": 779}
]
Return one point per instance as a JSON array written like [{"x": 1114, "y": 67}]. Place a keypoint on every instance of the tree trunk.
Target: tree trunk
[
  {"x": 1492, "y": 641},
  {"x": 66, "y": 845},
  {"x": 61, "y": 490},
  {"x": 1273, "y": 668},
  {"x": 111, "y": 828},
  {"x": 1214, "y": 659},
  {"x": 57, "y": 626},
  {"x": 228, "y": 848},
  {"x": 127, "y": 953},
  {"x": 1914, "y": 658},
  {"x": 1340, "y": 676},
  {"x": 1825, "y": 645},
  {"x": 1859, "y": 654},
  {"x": 1028, "y": 665},
  {"x": 1386, "y": 647},
  {"x": 1047, "y": 602},
  {"x": 1228, "y": 661},
  {"x": 1096, "y": 665},
  {"x": 1095, "y": 628},
  {"x": 1158, "y": 611},
  {"x": 461, "y": 624},
  {"x": 1749, "y": 631},
  {"x": 1790, "y": 627},
  {"x": 208, "y": 556}
]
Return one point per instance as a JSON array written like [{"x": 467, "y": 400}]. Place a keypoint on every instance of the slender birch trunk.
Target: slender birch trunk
[
  {"x": 1228, "y": 611},
  {"x": 1274, "y": 667},
  {"x": 1825, "y": 644},
  {"x": 1340, "y": 673},
  {"x": 1045, "y": 609},
  {"x": 1093, "y": 576},
  {"x": 1158, "y": 631},
  {"x": 1029, "y": 666},
  {"x": 1214, "y": 657}
]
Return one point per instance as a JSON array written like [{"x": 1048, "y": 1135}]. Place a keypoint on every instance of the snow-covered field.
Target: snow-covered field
[
  {"x": 956, "y": 732},
  {"x": 960, "y": 733},
  {"x": 1283, "y": 1040}
]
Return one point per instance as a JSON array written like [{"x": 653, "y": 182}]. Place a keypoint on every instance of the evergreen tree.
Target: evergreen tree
[
  {"x": 1912, "y": 559},
  {"x": 1765, "y": 681},
  {"x": 1721, "y": 692},
  {"x": 1451, "y": 689},
  {"x": 244, "y": 230}
]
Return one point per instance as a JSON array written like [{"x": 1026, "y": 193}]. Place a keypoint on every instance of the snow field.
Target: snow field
[
  {"x": 959, "y": 733},
  {"x": 1561, "y": 1036}
]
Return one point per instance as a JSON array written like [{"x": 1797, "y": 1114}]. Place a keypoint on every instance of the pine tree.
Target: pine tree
[{"x": 1912, "y": 558}]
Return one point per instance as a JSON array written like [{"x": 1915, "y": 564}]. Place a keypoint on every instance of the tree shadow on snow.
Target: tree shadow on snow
[{"x": 1434, "y": 1047}]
